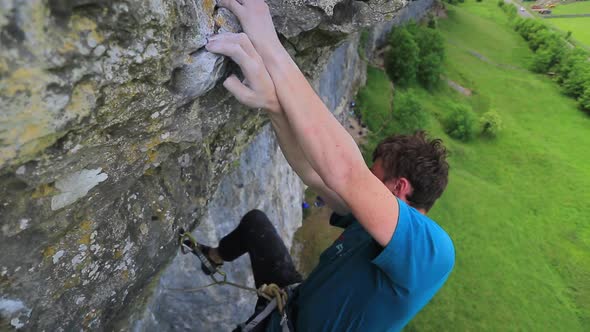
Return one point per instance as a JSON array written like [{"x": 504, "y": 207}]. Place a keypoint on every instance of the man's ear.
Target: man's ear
[
  {"x": 402, "y": 188},
  {"x": 392, "y": 185}
]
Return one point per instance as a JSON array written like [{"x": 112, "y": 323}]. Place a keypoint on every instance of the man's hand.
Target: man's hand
[
  {"x": 256, "y": 21},
  {"x": 259, "y": 90}
]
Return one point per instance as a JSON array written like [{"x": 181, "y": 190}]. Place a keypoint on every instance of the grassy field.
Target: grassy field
[
  {"x": 579, "y": 26},
  {"x": 580, "y": 7},
  {"x": 516, "y": 206}
]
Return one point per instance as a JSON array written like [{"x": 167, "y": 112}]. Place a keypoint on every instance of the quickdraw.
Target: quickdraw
[{"x": 271, "y": 292}]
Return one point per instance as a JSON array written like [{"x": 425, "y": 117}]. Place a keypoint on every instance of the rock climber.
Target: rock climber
[{"x": 391, "y": 258}]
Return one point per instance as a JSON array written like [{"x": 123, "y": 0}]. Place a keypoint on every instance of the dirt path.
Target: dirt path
[{"x": 462, "y": 90}]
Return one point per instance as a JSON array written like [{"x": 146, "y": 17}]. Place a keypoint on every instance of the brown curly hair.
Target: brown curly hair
[{"x": 420, "y": 160}]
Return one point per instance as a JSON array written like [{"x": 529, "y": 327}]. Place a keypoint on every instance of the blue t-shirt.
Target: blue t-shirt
[{"x": 359, "y": 285}]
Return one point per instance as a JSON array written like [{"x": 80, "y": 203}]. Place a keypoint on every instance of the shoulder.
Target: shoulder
[
  {"x": 420, "y": 251},
  {"x": 431, "y": 239}
]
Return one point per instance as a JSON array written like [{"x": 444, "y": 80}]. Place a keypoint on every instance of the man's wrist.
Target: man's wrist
[
  {"x": 274, "y": 54},
  {"x": 274, "y": 111}
]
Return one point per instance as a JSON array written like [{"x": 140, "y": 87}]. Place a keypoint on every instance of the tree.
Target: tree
[
  {"x": 432, "y": 51},
  {"x": 401, "y": 60}
]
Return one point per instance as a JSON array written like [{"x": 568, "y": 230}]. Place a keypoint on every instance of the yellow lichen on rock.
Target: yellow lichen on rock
[
  {"x": 22, "y": 80},
  {"x": 49, "y": 252},
  {"x": 85, "y": 239},
  {"x": 44, "y": 190},
  {"x": 209, "y": 6},
  {"x": 81, "y": 25},
  {"x": 86, "y": 225},
  {"x": 82, "y": 101},
  {"x": 85, "y": 229}
]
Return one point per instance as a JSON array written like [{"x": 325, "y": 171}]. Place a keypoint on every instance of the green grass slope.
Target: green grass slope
[
  {"x": 517, "y": 206},
  {"x": 579, "y": 26},
  {"x": 580, "y": 7}
]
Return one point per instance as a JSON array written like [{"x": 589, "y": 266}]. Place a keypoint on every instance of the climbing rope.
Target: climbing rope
[{"x": 270, "y": 292}]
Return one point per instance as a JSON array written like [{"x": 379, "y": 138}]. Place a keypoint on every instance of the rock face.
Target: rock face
[
  {"x": 263, "y": 181},
  {"x": 114, "y": 133}
]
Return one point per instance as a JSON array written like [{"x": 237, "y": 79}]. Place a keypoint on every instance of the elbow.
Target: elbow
[
  {"x": 339, "y": 177},
  {"x": 313, "y": 180}
]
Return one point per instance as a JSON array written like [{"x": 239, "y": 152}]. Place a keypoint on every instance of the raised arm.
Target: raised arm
[
  {"x": 327, "y": 146},
  {"x": 296, "y": 158},
  {"x": 260, "y": 93}
]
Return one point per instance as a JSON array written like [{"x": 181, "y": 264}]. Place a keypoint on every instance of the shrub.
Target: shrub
[
  {"x": 500, "y": 3},
  {"x": 363, "y": 42},
  {"x": 408, "y": 114},
  {"x": 401, "y": 60},
  {"x": 460, "y": 123},
  {"x": 584, "y": 100},
  {"x": 510, "y": 10},
  {"x": 541, "y": 61},
  {"x": 432, "y": 21},
  {"x": 491, "y": 124},
  {"x": 573, "y": 72}
]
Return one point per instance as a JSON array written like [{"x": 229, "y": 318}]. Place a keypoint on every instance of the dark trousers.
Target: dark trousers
[{"x": 270, "y": 259}]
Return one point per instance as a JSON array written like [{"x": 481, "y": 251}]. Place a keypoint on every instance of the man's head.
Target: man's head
[{"x": 413, "y": 167}]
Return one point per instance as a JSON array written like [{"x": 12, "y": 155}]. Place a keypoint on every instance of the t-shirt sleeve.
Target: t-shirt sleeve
[
  {"x": 341, "y": 221},
  {"x": 419, "y": 254}
]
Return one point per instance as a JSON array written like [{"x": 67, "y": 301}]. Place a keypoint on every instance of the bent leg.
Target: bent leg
[{"x": 269, "y": 257}]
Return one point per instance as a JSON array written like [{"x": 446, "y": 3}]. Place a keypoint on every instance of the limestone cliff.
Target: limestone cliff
[{"x": 114, "y": 133}]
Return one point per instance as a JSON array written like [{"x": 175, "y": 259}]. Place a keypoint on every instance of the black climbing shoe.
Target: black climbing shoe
[{"x": 205, "y": 250}]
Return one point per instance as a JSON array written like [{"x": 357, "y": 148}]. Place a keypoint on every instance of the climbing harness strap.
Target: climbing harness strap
[
  {"x": 276, "y": 296},
  {"x": 270, "y": 307}
]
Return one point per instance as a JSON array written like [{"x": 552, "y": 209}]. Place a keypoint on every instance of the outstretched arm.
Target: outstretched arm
[
  {"x": 260, "y": 93},
  {"x": 327, "y": 146}
]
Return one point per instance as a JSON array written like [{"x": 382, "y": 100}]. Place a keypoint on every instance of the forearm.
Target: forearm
[
  {"x": 296, "y": 158},
  {"x": 290, "y": 147},
  {"x": 330, "y": 150}
]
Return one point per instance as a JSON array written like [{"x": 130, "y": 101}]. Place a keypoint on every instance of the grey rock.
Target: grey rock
[
  {"x": 126, "y": 87},
  {"x": 197, "y": 76},
  {"x": 253, "y": 185}
]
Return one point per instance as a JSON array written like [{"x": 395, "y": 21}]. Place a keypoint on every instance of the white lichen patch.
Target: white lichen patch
[
  {"x": 13, "y": 311},
  {"x": 16, "y": 323},
  {"x": 21, "y": 170},
  {"x": 58, "y": 255},
  {"x": 143, "y": 229},
  {"x": 78, "y": 259},
  {"x": 75, "y": 186},
  {"x": 76, "y": 148},
  {"x": 9, "y": 307},
  {"x": 23, "y": 224},
  {"x": 185, "y": 160}
]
